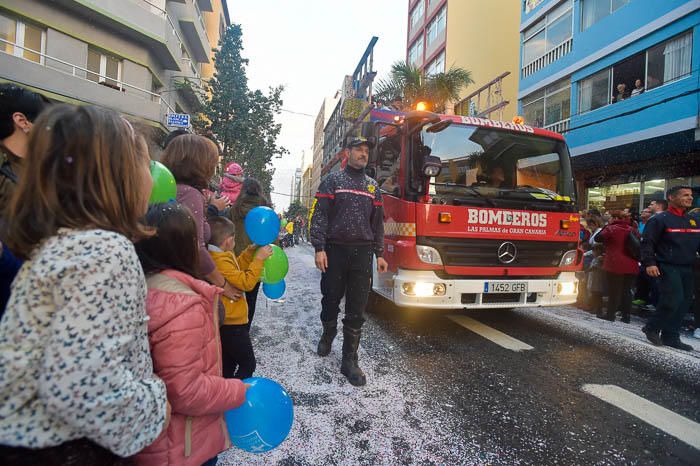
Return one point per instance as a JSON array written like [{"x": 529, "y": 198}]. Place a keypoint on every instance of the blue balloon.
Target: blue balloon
[
  {"x": 262, "y": 225},
  {"x": 264, "y": 419},
  {"x": 274, "y": 290}
]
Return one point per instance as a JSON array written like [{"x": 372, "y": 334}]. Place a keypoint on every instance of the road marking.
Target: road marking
[
  {"x": 657, "y": 416},
  {"x": 490, "y": 333}
]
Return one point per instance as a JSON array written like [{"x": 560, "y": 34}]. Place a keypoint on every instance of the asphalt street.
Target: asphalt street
[{"x": 532, "y": 386}]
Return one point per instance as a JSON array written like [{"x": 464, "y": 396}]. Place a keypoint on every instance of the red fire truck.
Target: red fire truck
[{"x": 477, "y": 213}]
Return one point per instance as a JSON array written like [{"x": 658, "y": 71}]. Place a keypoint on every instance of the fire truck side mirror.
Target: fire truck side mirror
[
  {"x": 369, "y": 130},
  {"x": 432, "y": 166}
]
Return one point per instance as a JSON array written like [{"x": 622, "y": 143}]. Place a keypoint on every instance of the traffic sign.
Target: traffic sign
[{"x": 179, "y": 120}]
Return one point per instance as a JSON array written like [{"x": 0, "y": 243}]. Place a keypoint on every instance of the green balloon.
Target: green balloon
[
  {"x": 283, "y": 223},
  {"x": 276, "y": 266},
  {"x": 164, "y": 186}
]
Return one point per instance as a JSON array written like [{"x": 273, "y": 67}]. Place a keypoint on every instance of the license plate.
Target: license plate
[{"x": 505, "y": 287}]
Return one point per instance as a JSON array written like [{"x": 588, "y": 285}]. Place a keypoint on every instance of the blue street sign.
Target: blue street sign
[{"x": 179, "y": 120}]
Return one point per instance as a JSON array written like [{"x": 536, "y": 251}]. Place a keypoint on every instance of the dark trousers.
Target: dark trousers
[
  {"x": 696, "y": 294},
  {"x": 237, "y": 353},
  {"x": 675, "y": 298},
  {"x": 251, "y": 298},
  {"x": 348, "y": 274},
  {"x": 643, "y": 285},
  {"x": 80, "y": 452},
  {"x": 620, "y": 294},
  {"x": 596, "y": 302}
]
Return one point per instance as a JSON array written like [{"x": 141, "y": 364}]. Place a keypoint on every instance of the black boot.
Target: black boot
[
  {"x": 330, "y": 330},
  {"x": 652, "y": 335},
  {"x": 349, "y": 367},
  {"x": 675, "y": 342}
]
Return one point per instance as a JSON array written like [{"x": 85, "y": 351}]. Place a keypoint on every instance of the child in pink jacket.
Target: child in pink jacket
[{"x": 183, "y": 333}]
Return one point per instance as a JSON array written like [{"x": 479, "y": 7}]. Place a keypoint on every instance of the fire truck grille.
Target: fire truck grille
[
  {"x": 500, "y": 298},
  {"x": 484, "y": 252}
]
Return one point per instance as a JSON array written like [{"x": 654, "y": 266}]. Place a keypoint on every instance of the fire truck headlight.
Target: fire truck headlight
[
  {"x": 567, "y": 288},
  {"x": 429, "y": 255},
  {"x": 569, "y": 258},
  {"x": 423, "y": 289}
]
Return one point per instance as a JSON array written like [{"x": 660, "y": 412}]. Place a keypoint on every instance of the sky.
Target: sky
[{"x": 309, "y": 46}]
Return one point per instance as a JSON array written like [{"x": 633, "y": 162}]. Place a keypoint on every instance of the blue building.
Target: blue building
[{"x": 620, "y": 79}]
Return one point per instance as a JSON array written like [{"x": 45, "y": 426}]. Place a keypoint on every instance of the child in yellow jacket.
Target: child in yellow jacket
[{"x": 243, "y": 272}]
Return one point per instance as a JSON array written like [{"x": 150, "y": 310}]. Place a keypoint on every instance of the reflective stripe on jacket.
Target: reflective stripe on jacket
[{"x": 348, "y": 210}]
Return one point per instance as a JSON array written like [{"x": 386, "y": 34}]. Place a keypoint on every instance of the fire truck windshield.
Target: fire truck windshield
[{"x": 479, "y": 162}]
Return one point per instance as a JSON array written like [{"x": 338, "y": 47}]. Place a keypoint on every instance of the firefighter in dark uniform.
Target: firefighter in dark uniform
[
  {"x": 669, "y": 246},
  {"x": 347, "y": 228}
]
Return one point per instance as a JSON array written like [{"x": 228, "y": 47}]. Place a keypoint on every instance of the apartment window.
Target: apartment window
[
  {"x": 664, "y": 63},
  {"x": 595, "y": 91},
  {"x": 625, "y": 77},
  {"x": 104, "y": 69},
  {"x": 417, "y": 15},
  {"x": 415, "y": 53},
  {"x": 531, "y": 5},
  {"x": 549, "y": 106},
  {"x": 437, "y": 65},
  {"x": 593, "y": 11},
  {"x": 8, "y": 34},
  {"x": 436, "y": 27},
  {"x": 669, "y": 61},
  {"x": 548, "y": 33},
  {"x": 22, "y": 39}
]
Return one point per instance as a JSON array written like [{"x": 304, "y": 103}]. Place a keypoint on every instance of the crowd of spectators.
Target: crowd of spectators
[{"x": 615, "y": 280}]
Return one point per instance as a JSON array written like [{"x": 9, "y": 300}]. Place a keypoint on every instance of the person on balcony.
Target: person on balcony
[
  {"x": 638, "y": 87},
  {"x": 621, "y": 93}
]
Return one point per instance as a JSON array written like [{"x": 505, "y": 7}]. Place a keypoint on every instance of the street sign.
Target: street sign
[{"x": 179, "y": 120}]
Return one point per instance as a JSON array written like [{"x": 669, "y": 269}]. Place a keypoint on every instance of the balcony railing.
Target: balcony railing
[
  {"x": 157, "y": 8},
  {"x": 83, "y": 73},
  {"x": 559, "y": 127},
  {"x": 201, "y": 19},
  {"x": 550, "y": 57},
  {"x": 159, "y": 11}
]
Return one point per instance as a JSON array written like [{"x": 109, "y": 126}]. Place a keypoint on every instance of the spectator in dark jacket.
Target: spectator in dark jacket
[
  {"x": 669, "y": 247},
  {"x": 620, "y": 267},
  {"x": 19, "y": 107},
  {"x": 596, "y": 279}
]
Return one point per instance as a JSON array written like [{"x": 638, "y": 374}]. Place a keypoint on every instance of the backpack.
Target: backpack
[{"x": 633, "y": 246}]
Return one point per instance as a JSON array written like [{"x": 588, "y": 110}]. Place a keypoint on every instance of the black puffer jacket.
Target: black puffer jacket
[
  {"x": 348, "y": 210},
  {"x": 670, "y": 238}
]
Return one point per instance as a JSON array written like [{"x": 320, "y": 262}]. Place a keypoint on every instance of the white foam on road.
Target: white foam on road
[
  {"x": 394, "y": 419},
  {"x": 490, "y": 333},
  {"x": 663, "y": 419}
]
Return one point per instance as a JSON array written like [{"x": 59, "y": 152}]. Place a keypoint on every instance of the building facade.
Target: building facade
[
  {"x": 354, "y": 101},
  {"x": 143, "y": 58},
  {"x": 474, "y": 35},
  {"x": 295, "y": 189},
  {"x": 216, "y": 22},
  {"x": 619, "y": 78},
  {"x": 322, "y": 118},
  {"x": 307, "y": 193}
]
